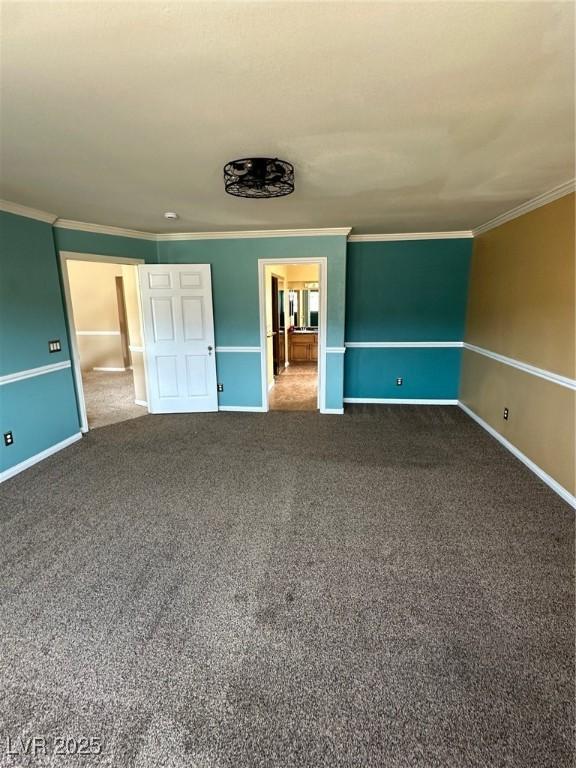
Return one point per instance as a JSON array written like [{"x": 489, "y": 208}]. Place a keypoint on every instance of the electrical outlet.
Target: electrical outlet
[
  {"x": 505, "y": 414},
  {"x": 220, "y": 387},
  {"x": 399, "y": 381},
  {"x": 8, "y": 438},
  {"x": 54, "y": 346}
]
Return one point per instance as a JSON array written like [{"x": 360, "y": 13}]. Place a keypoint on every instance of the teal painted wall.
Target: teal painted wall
[
  {"x": 427, "y": 373},
  {"x": 234, "y": 264},
  {"x": 40, "y": 411},
  {"x": 31, "y": 310},
  {"x": 105, "y": 245},
  {"x": 335, "y": 376},
  {"x": 240, "y": 373},
  {"x": 402, "y": 291},
  {"x": 405, "y": 291}
]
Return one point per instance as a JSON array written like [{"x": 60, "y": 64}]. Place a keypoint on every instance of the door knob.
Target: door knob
[{"x": 209, "y": 350}]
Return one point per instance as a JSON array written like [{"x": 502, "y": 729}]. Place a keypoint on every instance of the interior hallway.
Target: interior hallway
[
  {"x": 295, "y": 388},
  {"x": 109, "y": 397}
]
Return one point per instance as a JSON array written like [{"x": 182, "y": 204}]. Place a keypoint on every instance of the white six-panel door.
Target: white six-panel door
[{"x": 178, "y": 337}]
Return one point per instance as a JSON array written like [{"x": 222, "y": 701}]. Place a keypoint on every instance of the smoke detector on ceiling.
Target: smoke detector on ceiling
[{"x": 170, "y": 215}]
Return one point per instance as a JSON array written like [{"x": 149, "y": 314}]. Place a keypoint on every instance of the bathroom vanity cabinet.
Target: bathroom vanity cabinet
[{"x": 303, "y": 347}]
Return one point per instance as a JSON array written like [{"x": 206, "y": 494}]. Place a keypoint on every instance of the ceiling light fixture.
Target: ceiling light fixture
[
  {"x": 170, "y": 215},
  {"x": 259, "y": 177}
]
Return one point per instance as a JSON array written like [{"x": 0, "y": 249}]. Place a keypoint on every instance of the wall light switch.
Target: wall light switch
[{"x": 54, "y": 346}]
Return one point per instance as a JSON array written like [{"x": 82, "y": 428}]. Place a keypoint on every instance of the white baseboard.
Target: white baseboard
[
  {"x": 336, "y": 411},
  {"x": 141, "y": 402},
  {"x": 116, "y": 370},
  {"x": 17, "y": 468},
  {"x": 544, "y": 476},
  {"x": 245, "y": 408},
  {"x": 397, "y": 401}
]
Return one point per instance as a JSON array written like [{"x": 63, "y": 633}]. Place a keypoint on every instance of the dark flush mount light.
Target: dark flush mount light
[{"x": 259, "y": 177}]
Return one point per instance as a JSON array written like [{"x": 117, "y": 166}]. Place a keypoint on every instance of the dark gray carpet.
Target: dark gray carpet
[{"x": 388, "y": 588}]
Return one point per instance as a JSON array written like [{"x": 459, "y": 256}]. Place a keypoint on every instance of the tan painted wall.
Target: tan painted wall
[
  {"x": 521, "y": 300},
  {"x": 100, "y": 352},
  {"x": 522, "y": 304},
  {"x": 541, "y": 421},
  {"x": 303, "y": 273},
  {"x": 95, "y": 306},
  {"x": 133, "y": 316},
  {"x": 132, "y": 299}
]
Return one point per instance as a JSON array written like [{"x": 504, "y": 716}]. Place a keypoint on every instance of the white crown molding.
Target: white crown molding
[
  {"x": 83, "y": 226},
  {"x": 542, "y": 373},
  {"x": 466, "y": 233},
  {"x": 324, "y": 232},
  {"x": 30, "y": 373},
  {"x": 101, "y": 229},
  {"x": 29, "y": 213},
  {"x": 529, "y": 205},
  {"x": 401, "y": 344},
  {"x": 554, "y": 484}
]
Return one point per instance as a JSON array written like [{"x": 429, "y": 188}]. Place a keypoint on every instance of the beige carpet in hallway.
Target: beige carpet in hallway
[
  {"x": 296, "y": 388},
  {"x": 109, "y": 397}
]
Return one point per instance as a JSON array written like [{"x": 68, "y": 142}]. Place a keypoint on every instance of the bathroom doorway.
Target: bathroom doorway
[{"x": 293, "y": 330}]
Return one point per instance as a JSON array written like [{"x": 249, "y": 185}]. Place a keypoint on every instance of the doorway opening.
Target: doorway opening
[
  {"x": 293, "y": 331},
  {"x": 103, "y": 307}
]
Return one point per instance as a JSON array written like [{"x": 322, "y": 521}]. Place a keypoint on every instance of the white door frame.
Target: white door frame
[
  {"x": 322, "y": 263},
  {"x": 65, "y": 257}
]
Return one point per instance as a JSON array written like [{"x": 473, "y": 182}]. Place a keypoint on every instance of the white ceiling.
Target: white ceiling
[{"x": 398, "y": 116}]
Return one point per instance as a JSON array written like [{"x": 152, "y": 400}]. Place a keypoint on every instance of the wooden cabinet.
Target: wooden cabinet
[{"x": 303, "y": 347}]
